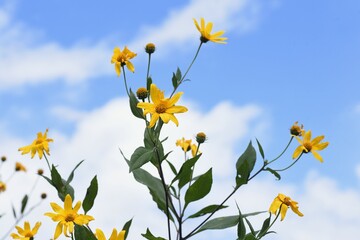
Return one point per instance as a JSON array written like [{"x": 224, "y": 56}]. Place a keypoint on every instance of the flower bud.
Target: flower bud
[
  {"x": 3, "y": 158},
  {"x": 296, "y": 130},
  {"x": 142, "y": 93},
  {"x": 2, "y": 186},
  {"x": 43, "y": 195},
  {"x": 200, "y": 137},
  {"x": 19, "y": 167},
  {"x": 40, "y": 171},
  {"x": 150, "y": 48}
]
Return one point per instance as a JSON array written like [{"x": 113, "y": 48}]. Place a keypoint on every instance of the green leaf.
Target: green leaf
[
  {"x": 71, "y": 176},
  {"x": 175, "y": 81},
  {"x": 24, "y": 202},
  {"x": 139, "y": 158},
  {"x": 155, "y": 187},
  {"x": 148, "y": 235},
  {"x": 219, "y": 223},
  {"x": 241, "y": 230},
  {"x": 185, "y": 172},
  {"x": 244, "y": 165},
  {"x": 13, "y": 211},
  {"x": 276, "y": 174},
  {"x": 264, "y": 228},
  {"x": 250, "y": 236},
  {"x": 148, "y": 83},
  {"x": 90, "y": 196},
  {"x": 82, "y": 233},
  {"x": 126, "y": 227},
  {"x": 65, "y": 190},
  {"x": 250, "y": 226},
  {"x": 172, "y": 167},
  {"x": 260, "y": 149},
  {"x": 200, "y": 188},
  {"x": 178, "y": 74},
  {"x": 207, "y": 210},
  {"x": 56, "y": 179},
  {"x": 137, "y": 112}
]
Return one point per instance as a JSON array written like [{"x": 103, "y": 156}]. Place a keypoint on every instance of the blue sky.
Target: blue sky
[{"x": 285, "y": 61}]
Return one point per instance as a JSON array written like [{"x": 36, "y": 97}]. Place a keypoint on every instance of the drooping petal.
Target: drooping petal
[
  {"x": 58, "y": 230},
  {"x": 298, "y": 151},
  {"x": 130, "y": 66},
  {"x": 283, "y": 211},
  {"x": 317, "y": 156},
  {"x": 153, "y": 119},
  {"x": 117, "y": 68}
]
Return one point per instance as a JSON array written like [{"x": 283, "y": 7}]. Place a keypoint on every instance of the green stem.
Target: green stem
[
  {"x": 192, "y": 62},
  {"x": 126, "y": 87},
  {"x": 211, "y": 214},
  {"x": 47, "y": 161},
  {"x": 270, "y": 226},
  {"x": 280, "y": 170},
  {"x": 292, "y": 137}
]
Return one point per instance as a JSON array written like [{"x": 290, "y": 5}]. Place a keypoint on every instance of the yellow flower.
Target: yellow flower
[
  {"x": 205, "y": 31},
  {"x": 19, "y": 167},
  {"x": 67, "y": 216},
  {"x": 187, "y": 145},
  {"x": 26, "y": 233},
  {"x": 114, "y": 235},
  {"x": 161, "y": 107},
  {"x": 297, "y": 130},
  {"x": 307, "y": 145},
  {"x": 39, "y": 145},
  {"x": 282, "y": 203},
  {"x": 2, "y": 186},
  {"x": 121, "y": 58}
]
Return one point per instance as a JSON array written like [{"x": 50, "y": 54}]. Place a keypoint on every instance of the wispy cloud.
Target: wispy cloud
[{"x": 25, "y": 61}]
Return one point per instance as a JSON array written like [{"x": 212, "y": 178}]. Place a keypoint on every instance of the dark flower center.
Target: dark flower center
[
  {"x": 160, "y": 108},
  {"x": 307, "y": 146},
  {"x": 70, "y": 218}
]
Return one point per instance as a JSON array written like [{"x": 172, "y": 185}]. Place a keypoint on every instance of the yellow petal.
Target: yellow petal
[
  {"x": 298, "y": 151},
  {"x": 176, "y": 109},
  {"x": 283, "y": 211},
  {"x": 58, "y": 230},
  {"x": 130, "y": 66},
  {"x": 196, "y": 24},
  {"x": 68, "y": 203},
  {"x": 317, "y": 156},
  {"x": 320, "y": 146},
  {"x": 99, "y": 234},
  {"x": 121, "y": 235}
]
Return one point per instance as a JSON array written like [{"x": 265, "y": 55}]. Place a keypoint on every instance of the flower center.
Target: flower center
[
  {"x": 307, "y": 146},
  {"x": 29, "y": 234},
  {"x": 287, "y": 201},
  {"x": 70, "y": 218},
  {"x": 160, "y": 108}
]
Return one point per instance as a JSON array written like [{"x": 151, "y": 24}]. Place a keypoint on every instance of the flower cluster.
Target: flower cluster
[{"x": 175, "y": 192}]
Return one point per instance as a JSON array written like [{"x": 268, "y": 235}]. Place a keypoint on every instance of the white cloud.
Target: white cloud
[
  {"x": 24, "y": 61},
  {"x": 330, "y": 210}
]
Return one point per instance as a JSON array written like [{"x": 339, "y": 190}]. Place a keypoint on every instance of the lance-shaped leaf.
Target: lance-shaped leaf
[
  {"x": 83, "y": 233},
  {"x": 71, "y": 176},
  {"x": 24, "y": 202},
  {"x": 200, "y": 188},
  {"x": 185, "y": 172},
  {"x": 139, "y": 158},
  {"x": 137, "y": 112},
  {"x": 275, "y": 173},
  {"x": 265, "y": 227},
  {"x": 126, "y": 227},
  {"x": 155, "y": 187},
  {"x": 90, "y": 196},
  {"x": 148, "y": 235},
  {"x": 219, "y": 223},
  {"x": 207, "y": 210},
  {"x": 261, "y": 150},
  {"x": 244, "y": 165}
]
